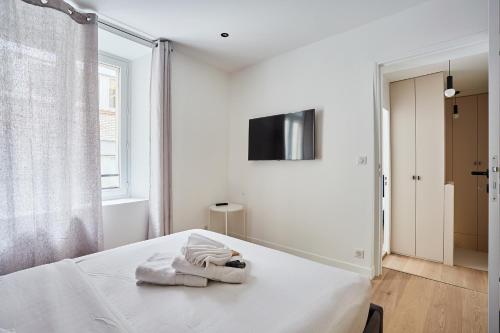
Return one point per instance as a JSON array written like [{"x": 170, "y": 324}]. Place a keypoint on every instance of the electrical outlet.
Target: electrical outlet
[{"x": 359, "y": 253}]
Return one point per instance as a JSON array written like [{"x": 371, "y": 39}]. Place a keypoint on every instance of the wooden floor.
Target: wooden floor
[
  {"x": 415, "y": 304},
  {"x": 424, "y": 296},
  {"x": 471, "y": 258},
  {"x": 455, "y": 275}
]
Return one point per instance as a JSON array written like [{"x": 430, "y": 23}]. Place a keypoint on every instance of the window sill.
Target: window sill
[{"x": 114, "y": 202}]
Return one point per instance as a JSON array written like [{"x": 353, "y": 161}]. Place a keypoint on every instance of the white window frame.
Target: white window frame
[{"x": 123, "y": 127}]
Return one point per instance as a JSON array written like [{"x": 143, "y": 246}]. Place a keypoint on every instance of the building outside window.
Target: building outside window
[{"x": 113, "y": 125}]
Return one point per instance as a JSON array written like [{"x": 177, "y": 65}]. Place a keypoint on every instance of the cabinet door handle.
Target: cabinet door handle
[
  {"x": 418, "y": 177},
  {"x": 413, "y": 177}
]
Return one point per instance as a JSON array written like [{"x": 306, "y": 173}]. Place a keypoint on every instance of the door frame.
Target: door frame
[
  {"x": 386, "y": 181},
  {"x": 490, "y": 44},
  {"x": 462, "y": 47},
  {"x": 494, "y": 153}
]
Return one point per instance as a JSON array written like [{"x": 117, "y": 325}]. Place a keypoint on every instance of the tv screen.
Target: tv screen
[{"x": 282, "y": 137}]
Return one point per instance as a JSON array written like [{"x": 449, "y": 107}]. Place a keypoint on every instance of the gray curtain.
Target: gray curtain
[
  {"x": 50, "y": 195},
  {"x": 160, "y": 193}
]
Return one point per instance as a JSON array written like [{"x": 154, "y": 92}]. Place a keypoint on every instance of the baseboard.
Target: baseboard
[{"x": 365, "y": 271}]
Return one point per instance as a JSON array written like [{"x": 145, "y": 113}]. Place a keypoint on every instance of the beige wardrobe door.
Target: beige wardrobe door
[
  {"x": 482, "y": 157},
  {"x": 464, "y": 160},
  {"x": 430, "y": 166},
  {"x": 403, "y": 167}
]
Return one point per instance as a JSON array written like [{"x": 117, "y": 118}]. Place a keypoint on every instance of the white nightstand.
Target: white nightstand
[{"x": 230, "y": 208}]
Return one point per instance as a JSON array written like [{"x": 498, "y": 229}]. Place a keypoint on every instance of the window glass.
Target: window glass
[{"x": 109, "y": 116}]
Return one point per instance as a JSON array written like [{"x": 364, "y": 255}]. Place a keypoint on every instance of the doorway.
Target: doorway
[{"x": 464, "y": 164}]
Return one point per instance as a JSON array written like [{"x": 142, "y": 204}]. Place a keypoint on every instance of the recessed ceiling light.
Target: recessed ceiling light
[{"x": 224, "y": 34}]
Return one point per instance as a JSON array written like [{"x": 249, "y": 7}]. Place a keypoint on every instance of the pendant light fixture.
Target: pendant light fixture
[
  {"x": 449, "y": 92},
  {"x": 455, "y": 109}
]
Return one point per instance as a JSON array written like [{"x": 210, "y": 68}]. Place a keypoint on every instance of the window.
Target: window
[{"x": 113, "y": 83}]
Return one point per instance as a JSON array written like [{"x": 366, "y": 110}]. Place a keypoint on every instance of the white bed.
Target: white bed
[{"x": 283, "y": 293}]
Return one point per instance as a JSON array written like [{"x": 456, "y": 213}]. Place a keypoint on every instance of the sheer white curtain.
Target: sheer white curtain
[
  {"x": 160, "y": 193},
  {"x": 50, "y": 196}
]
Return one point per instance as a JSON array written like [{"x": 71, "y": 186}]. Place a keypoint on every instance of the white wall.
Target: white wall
[
  {"x": 124, "y": 222},
  {"x": 323, "y": 209},
  {"x": 200, "y": 132}
]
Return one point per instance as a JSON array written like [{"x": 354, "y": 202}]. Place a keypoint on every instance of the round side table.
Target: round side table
[{"x": 229, "y": 208}]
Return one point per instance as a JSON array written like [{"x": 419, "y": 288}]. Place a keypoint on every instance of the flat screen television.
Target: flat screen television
[{"x": 287, "y": 136}]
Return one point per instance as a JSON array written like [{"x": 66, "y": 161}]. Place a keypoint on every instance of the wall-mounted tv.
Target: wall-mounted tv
[{"x": 287, "y": 136}]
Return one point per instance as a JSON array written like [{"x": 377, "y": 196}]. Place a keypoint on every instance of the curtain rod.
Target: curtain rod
[
  {"x": 60, "y": 5},
  {"x": 125, "y": 33},
  {"x": 87, "y": 18}
]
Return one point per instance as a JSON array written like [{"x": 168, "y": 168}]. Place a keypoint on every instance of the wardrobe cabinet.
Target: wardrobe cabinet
[
  {"x": 467, "y": 141},
  {"x": 418, "y": 166}
]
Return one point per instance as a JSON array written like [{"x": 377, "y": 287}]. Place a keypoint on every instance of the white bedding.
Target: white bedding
[
  {"x": 55, "y": 298},
  {"x": 282, "y": 293}
]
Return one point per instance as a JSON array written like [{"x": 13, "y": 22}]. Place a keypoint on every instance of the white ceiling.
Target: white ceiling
[
  {"x": 470, "y": 73},
  {"x": 258, "y": 29}
]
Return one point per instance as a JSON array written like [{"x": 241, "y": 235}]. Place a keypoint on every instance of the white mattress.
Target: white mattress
[{"x": 283, "y": 293}]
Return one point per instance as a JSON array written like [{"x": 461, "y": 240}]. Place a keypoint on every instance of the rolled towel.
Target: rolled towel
[
  {"x": 201, "y": 250},
  {"x": 210, "y": 271},
  {"x": 158, "y": 270}
]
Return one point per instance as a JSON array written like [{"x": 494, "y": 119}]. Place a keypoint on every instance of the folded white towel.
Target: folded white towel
[
  {"x": 158, "y": 270},
  {"x": 201, "y": 250},
  {"x": 210, "y": 271}
]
